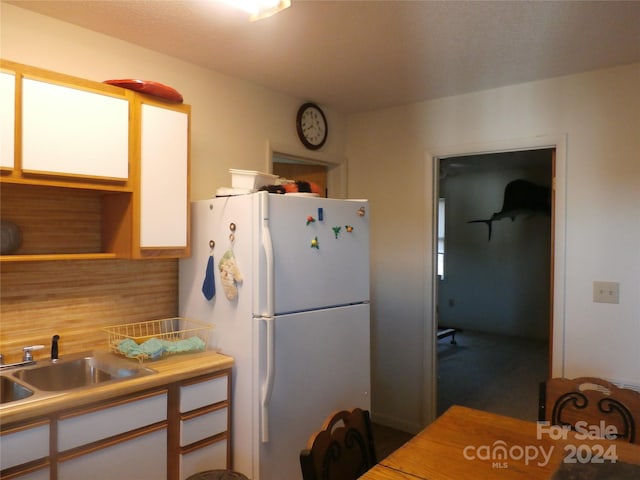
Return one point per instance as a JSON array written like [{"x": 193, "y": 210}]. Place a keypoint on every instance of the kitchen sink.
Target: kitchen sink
[
  {"x": 10, "y": 390},
  {"x": 73, "y": 372}
]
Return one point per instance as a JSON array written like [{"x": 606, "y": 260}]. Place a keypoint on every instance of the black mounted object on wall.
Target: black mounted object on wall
[{"x": 521, "y": 196}]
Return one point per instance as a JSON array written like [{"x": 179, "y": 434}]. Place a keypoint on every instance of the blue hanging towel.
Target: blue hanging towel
[{"x": 209, "y": 284}]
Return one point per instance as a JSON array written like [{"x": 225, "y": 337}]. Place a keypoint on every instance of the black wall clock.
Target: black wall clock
[{"x": 312, "y": 126}]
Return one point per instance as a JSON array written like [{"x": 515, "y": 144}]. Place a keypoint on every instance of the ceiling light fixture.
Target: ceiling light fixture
[{"x": 260, "y": 8}]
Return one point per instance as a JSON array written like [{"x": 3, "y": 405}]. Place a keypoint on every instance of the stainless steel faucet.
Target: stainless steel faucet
[
  {"x": 27, "y": 357},
  {"x": 27, "y": 352}
]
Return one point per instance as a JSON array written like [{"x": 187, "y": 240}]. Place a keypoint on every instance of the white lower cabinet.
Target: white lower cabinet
[
  {"x": 198, "y": 394},
  {"x": 141, "y": 458},
  {"x": 168, "y": 432},
  {"x": 204, "y": 425},
  {"x": 110, "y": 420},
  {"x": 122, "y": 439},
  {"x": 24, "y": 444},
  {"x": 209, "y": 457}
]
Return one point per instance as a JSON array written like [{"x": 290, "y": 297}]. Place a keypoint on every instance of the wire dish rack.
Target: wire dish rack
[{"x": 157, "y": 339}]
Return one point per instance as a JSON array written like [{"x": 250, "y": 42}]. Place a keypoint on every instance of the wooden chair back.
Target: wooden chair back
[
  {"x": 589, "y": 400},
  {"x": 342, "y": 450}
]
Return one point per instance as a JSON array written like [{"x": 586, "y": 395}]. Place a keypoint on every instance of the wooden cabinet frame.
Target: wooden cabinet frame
[{"x": 118, "y": 199}]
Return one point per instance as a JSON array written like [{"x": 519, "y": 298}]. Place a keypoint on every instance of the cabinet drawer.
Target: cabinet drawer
[
  {"x": 24, "y": 444},
  {"x": 203, "y": 426},
  {"x": 141, "y": 458},
  {"x": 84, "y": 428},
  {"x": 204, "y": 393},
  {"x": 210, "y": 457}
]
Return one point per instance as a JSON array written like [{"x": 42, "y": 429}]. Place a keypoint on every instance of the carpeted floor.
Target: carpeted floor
[{"x": 490, "y": 372}]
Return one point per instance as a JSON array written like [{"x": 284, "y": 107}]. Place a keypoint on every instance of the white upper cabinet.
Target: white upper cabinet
[
  {"x": 7, "y": 118},
  {"x": 76, "y": 132},
  {"x": 164, "y": 161}
]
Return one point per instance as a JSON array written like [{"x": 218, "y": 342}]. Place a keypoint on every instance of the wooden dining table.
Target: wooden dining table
[{"x": 465, "y": 444}]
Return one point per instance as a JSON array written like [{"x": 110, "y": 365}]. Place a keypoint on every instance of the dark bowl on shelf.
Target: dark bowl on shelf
[{"x": 11, "y": 237}]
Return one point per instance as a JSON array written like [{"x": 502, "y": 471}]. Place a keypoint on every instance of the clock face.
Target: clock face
[{"x": 312, "y": 126}]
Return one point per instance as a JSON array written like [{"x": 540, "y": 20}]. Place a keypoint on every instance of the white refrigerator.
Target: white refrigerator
[{"x": 291, "y": 305}]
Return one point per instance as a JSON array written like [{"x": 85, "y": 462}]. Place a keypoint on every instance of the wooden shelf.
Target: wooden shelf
[
  {"x": 56, "y": 256},
  {"x": 65, "y": 223},
  {"x": 24, "y": 178}
]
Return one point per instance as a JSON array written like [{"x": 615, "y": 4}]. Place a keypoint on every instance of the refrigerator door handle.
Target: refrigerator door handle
[
  {"x": 267, "y": 317},
  {"x": 267, "y": 385},
  {"x": 267, "y": 246}
]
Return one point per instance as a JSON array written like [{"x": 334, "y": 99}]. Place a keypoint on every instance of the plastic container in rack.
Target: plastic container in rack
[
  {"x": 157, "y": 339},
  {"x": 250, "y": 179}
]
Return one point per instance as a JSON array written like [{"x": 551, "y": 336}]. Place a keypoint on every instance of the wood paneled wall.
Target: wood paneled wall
[{"x": 76, "y": 299}]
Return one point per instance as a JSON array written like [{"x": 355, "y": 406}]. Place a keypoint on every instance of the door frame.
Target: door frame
[
  {"x": 558, "y": 256},
  {"x": 336, "y": 164}
]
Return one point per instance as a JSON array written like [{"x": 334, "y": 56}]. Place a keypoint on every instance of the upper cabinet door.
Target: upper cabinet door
[
  {"x": 7, "y": 119},
  {"x": 164, "y": 169},
  {"x": 73, "y": 132}
]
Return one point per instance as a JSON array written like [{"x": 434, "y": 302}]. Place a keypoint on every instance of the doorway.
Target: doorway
[
  {"x": 494, "y": 283},
  {"x": 301, "y": 170}
]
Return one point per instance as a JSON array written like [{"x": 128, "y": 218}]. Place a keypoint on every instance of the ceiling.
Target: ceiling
[{"x": 354, "y": 56}]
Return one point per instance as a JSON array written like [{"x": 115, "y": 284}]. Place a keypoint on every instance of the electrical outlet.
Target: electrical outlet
[{"x": 606, "y": 292}]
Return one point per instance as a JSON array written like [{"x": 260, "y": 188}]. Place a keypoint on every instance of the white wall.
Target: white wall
[
  {"x": 600, "y": 114},
  {"x": 234, "y": 123}
]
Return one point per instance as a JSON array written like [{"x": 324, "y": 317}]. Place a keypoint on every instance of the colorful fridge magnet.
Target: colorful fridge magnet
[
  {"x": 230, "y": 275},
  {"x": 336, "y": 231},
  {"x": 348, "y": 228},
  {"x": 361, "y": 212},
  {"x": 314, "y": 243},
  {"x": 310, "y": 219}
]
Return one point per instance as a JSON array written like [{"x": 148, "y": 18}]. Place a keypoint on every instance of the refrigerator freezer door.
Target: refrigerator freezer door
[
  {"x": 321, "y": 365},
  {"x": 321, "y": 252}
]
